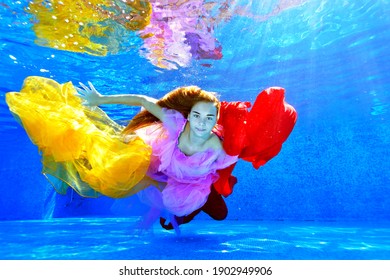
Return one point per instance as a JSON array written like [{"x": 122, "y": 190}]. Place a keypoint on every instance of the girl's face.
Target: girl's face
[{"x": 202, "y": 118}]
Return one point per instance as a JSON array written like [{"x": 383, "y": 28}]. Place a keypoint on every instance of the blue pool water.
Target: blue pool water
[
  {"x": 117, "y": 239},
  {"x": 325, "y": 196}
]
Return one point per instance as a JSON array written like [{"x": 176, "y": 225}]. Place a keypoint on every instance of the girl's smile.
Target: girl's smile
[{"x": 202, "y": 119}]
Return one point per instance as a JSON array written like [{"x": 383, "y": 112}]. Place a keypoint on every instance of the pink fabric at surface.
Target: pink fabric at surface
[{"x": 188, "y": 178}]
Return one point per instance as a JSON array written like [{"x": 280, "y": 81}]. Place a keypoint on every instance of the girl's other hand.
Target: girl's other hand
[{"x": 89, "y": 94}]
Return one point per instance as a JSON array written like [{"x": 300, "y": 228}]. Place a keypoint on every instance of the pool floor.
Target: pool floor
[{"x": 117, "y": 239}]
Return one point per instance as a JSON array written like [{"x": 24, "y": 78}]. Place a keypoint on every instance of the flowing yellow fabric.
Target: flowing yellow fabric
[
  {"x": 80, "y": 146},
  {"x": 95, "y": 27}
]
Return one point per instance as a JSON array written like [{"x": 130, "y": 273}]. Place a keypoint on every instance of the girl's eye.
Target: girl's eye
[
  {"x": 209, "y": 118},
  {"x": 196, "y": 116}
]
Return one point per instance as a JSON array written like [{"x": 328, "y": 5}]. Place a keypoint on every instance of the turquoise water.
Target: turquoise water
[
  {"x": 116, "y": 239},
  {"x": 325, "y": 196}
]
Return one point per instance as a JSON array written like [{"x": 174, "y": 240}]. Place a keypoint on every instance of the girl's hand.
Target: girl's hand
[{"x": 90, "y": 95}]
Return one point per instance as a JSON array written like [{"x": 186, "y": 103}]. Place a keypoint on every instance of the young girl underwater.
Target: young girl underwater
[{"x": 177, "y": 155}]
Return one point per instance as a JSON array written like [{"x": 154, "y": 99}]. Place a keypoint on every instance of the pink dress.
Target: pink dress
[{"x": 188, "y": 178}]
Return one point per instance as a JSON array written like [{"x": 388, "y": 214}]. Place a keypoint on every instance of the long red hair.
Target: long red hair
[{"x": 181, "y": 99}]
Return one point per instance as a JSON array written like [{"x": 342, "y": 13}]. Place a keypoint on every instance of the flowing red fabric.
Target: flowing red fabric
[{"x": 255, "y": 136}]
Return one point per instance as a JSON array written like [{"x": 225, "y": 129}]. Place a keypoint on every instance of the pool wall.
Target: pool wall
[{"x": 327, "y": 170}]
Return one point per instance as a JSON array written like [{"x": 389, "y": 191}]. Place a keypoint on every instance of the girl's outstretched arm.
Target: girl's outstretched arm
[{"x": 93, "y": 98}]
